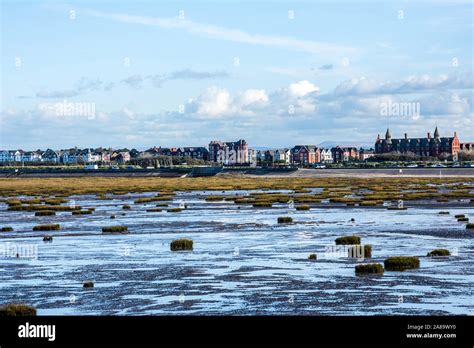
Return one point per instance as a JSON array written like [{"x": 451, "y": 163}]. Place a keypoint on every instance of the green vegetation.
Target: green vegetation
[
  {"x": 302, "y": 207},
  {"x": 48, "y": 227},
  {"x": 154, "y": 210},
  {"x": 401, "y": 263},
  {"x": 7, "y": 229},
  {"x": 47, "y": 238},
  {"x": 174, "y": 210},
  {"x": 459, "y": 216},
  {"x": 443, "y": 213},
  {"x": 125, "y": 207},
  {"x": 367, "y": 251},
  {"x": 285, "y": 220},
  {"x": 215, "y": 198},
  {"x": 439, "y": 252},
  {"x": 115, "y": 229},
  {"x": 369, "y": 268},
  {"x": 262, "y": 204},
  {"x": 82, "y": 212},
  {"x": 45, "y": 213},
  {"x": 181, "y": 244},
  {"x": 312, "y": 257},
  {"x": 348, "y": 240},
  {"x": 470, "y": 226},
  {"x": 88, "y": 284},
  {"x": 463, "y": 219},
  {"x": 17, "y": 310}
]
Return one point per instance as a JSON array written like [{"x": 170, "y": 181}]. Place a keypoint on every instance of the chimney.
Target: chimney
[{"x": 429, "y": 135}]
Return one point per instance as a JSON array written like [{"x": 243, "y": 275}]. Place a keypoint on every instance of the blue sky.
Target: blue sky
[{"x": 186, "y": 72}]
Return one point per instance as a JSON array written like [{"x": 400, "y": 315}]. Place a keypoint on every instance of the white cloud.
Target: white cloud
[
  {"x": 234, "y": 35},
  {"x": 253, "y": 97},
  {"x": 412, "y": 84},
  {"x": 214, "y": 102},
  {"x": 301, "y": 88}
]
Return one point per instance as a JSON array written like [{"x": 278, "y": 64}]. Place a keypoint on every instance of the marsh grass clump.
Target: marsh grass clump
[
  {"x": 302, "y": 207},
  {"x": 470, "y": 226},
  {"x": 262, "y": 204},
  {"x": 174, "y": 210},
  {"x": 115, "y": 229},
  {"x": 17, "y": 310},
  {"x": 401, "y": 263},
  {"x": 367, "y": 251},
  {"x": 369, "y": 268},
  {"x": 112, "y": 216},
  {"x": 215, "y": 198},
  {"x": 348, "y": 240},
  {"x": 312, "y": 257},
  {"x": 161, "y": 205},
  {"x": 126, "y": 207},
  {"x": 181, "y": 244},
  {"x": 88, "y": 284},
  {"x": 459, "y": 216},
  {"x": 463, "y": 219},
  {"x": 154, "y": 210},
  {"x": 439, "y": 252},
  {"x": 47, "y": 227},
  {"x": 7, "y": 229},
  {"x": 368, "y": 203},
  {"x": 285, "y": 220},
  {"x": 443, "y": 213},
  {"x": 81, "y": 212},
  {"x": 45, "y": 213},
  {"x": 47, "y": 238}
]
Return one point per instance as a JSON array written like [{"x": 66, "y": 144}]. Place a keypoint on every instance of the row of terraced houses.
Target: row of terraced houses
[{"x": 239, "y": 153}]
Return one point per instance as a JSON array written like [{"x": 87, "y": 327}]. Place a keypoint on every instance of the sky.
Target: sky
[{"x": 139, "y": 74}]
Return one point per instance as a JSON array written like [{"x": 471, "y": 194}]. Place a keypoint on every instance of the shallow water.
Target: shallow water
[{"x": 243, "y": 262}]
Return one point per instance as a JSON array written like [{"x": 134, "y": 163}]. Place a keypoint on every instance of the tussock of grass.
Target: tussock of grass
[
  {"x": 439, "y": 252},
  {"x": 174, "y": 210},
  {"x": 459, "y": 216},
  {"x": 368, "y": 203},
  {"x": 154, "y": 210},
  {"x": 48, "y": 227},
  {"x": 313, "y": 257},
  {"x": 369, "y": 268},
  {"x": 88, "y": 284},
  {"x": 302, "y": 207},
  {"x": 82, "y": 212},
  {"x": 181, "y": 244},
  {"x": 285, "y": 219},
  {"x": 470, "y": 226},
  {"x": 463, "y": 219},
  {"x": 443, "y": 213},
  {"x": 215, "y": 198},
  {"x": 7, "y": 229},
  {"x": 348, "y": 240},
  {"x": 115, "y": 229},
  {"x": 262, "y": 204},
  {"x": 125, "y": 207},
  {"x": 17, "y": 310},
  {"x": 401, "y": 263}
]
